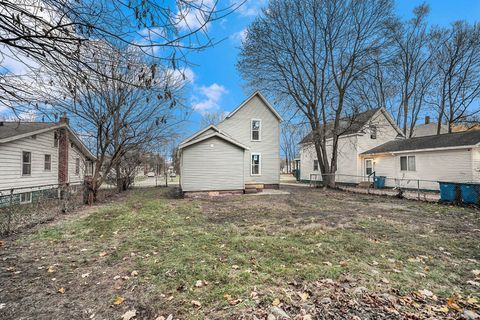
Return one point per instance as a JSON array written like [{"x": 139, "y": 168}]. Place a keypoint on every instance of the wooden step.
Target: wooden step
[{"x": 254, "y": 186}]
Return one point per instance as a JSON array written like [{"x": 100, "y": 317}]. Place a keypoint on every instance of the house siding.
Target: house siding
[
  {"x": 349, "y": 163},
  {"x": 74, "y": 153},
  {"x": 11, "y": 159},
  {"x": 212, "y": 164},
  {"x": 239, "y": 127},
  {"x": 431, "y": 167}
]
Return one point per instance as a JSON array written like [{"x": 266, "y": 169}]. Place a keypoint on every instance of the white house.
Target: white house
[
  {"x": 373, "y": 143},
  {"x": 451, "y": 157},
  {"x": 37, "y": 156},
  {"x": 364, "y": 132},
  {"x": 242, "y": 152}
]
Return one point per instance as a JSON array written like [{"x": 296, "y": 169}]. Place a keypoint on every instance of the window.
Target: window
[
  {"x": 256, "y": 163},
  {"x": 26, "y": 197},
  {"x": 256, "y": 124},
  {"x": 315, "y": 165},
  {"x": 89, "y": 168},
  {"x": 407, "y": 163},
  {"x": 368, "y": 166},
  {"x": 77, "y": 166},
  {"x": 47, "y": 166},
  {"x": 55, "y": 139},
  {"x": 373, "y": 132},
  {"x": 26, "y": 163}
]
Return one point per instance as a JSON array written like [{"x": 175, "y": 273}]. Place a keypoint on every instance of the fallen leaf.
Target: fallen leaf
[
  {"x": 343, "y": 263},
  {"x": 425, "y": 293},
  {"x": 473, "y": 283},
  {"x": 472, "y": 300},
  {"x": 476, "y": 272},
  {"x": 276, "y": 302},
  {"x": 102, "y": 254},
  {"x": 134, "y": 273},
  {"x": 129, "y": 314},
  {"x": 384, "y": 280},
  {"x": 235, "y": 267},
  {"x": 196, "y": 303},
  {"x": 304, "y": 296},
  {"x": 51, "y": 269},
  {"x": 201, "y": 283},
  {"x": 85, "y": 275},
  {"x": 61, "y": 290},
  {"x": 235, "y": 302},
  {"x": 118, "y": 300},
  {"x": 227, "y": 297},
  {"x": 443, "y": 309}
]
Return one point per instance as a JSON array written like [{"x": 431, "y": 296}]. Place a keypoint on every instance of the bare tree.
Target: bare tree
[
  {"x": 214, "y": 117},
  {"x": 412, "y": 59},
  {"x": 310, "y": 53},
  {"x": 291, "y": 134},
  {"x": 457, "y": 62},
  {"x": 133, "y": 106},
  {"x": 52, "y": 34}
]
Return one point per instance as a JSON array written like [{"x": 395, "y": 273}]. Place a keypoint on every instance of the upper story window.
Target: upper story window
[
  {"x": 47, "y": 166},
  {"x": 55, "y": 139},
  {"x": 373, "y": 131},
  {"x": 77, "y": 166},
  {"x": 26, "y": 163},
  {"x": 315, "y": 165},
  {"x": 256, "y": 129},
  {"x": 407, "y": 163}
]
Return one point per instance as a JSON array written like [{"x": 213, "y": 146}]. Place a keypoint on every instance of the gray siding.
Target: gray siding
[
  {"x": 212, "y": 164},
  {"x": 239, "y": 126}
]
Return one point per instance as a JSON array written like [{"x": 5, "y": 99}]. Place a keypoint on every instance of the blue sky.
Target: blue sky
[{"x": 218, "y": 86}]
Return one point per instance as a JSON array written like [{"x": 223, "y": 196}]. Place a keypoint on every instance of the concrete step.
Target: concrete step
[
  {"x": 250, "y": 191},
  {"x": 257, "y": 186},
  {"x": 365, "y": 184}
]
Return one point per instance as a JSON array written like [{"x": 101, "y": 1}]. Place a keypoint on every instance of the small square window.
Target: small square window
[
  {"x": 407, "y": 163},
  {"x": 26, "y": 197},
  {"x": 373, "y": 132}
]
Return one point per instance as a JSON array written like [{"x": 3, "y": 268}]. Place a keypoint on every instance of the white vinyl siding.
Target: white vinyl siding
[
  {"x": 75, "y": 157},
  {"x": 212, "y": 165},
  {"x": 11, "y": 162},
  {"x": 239, "y": 127}
]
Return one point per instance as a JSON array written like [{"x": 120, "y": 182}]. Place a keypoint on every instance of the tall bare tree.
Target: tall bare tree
[
  {"x": 311, "y": 53},
  {"x": 212, "y": 117},
  {"x": 457, "y": 62}
]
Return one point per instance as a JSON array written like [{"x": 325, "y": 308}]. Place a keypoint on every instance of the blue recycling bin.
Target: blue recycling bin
[
  {"x": 379, "y": 182},
  {"x": 470, "y": 193},
  {"x": 448, "y": 191}
]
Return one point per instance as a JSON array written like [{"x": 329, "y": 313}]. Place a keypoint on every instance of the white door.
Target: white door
[{"x": 368, "y": 166}]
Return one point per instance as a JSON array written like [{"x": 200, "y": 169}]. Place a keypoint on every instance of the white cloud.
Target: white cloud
[
  {"x": 182, "y": 75},
  {"x": 251, "y": 8},
  {"x": 239, "y": 36},
  {"x": 194, "y": 15},
  {"x": 211, "y": 96}
]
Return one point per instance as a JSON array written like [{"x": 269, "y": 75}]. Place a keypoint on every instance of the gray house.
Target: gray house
[{"x": 240, "y": 153}]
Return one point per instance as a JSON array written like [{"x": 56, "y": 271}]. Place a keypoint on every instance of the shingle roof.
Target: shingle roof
[
  {"x": 347, "y": 126},
  {"x": 456, "y": 139},
  {"x": 11, "y": 129}
]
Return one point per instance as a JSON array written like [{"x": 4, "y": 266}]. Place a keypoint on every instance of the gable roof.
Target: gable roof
[
  {"x": 256, "y": 94},
  {"x": 446, "y": 140},
  {"x": 192, "y": 137},
  {"x": 11, "y": 131},
  {"x": 215, "y": 134},
  {"x": 355, "y": 125}
]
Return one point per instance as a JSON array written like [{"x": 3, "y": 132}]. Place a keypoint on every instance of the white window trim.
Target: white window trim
[
  {"x": 373, "y": 165},
  {"x": 259, "y": 164},
  {"x": 408, "y": 166},
  {"x": 21, "y": 164},
  {"x": 259, "y": 130},
  {"x": 79, "y": 167},
  {"x": 25, "y": 202}
]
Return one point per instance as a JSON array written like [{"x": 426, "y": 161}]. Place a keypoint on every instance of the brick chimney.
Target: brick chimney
[
  {"x": 64, "y": 119},
  {"x": 63, "y": 145},
  {"x": 427, "y": 119}
]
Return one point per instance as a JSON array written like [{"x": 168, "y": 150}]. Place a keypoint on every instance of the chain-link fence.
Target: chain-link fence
[
  {"x": 28, "y": 206},
  {"x": 460, "y": 192}
]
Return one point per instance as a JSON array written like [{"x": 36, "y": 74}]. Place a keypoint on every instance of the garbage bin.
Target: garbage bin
[
  {"x": 379, "y": 182},
  {"x": 449, "y": 191},
  {"x": 470, "y": 193}
]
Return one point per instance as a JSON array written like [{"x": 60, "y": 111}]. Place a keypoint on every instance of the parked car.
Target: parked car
[{"x": 151, "y": 174}]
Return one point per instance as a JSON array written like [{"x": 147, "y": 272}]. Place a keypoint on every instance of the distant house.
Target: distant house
[
  {"x": 427, "y": 129},
  {"x": 37, "y": 156},
  {"x": 373, "y": 143},
  {"x": 242, "y": 152}
]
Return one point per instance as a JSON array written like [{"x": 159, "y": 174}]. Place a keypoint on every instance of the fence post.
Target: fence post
[{"x": 418, "y": 189}]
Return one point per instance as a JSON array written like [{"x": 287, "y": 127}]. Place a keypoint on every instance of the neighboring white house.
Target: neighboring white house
[
  {"x": 373, "y": 143},
  {"x": 38, "y": 156},
  {"x": 243, "y": 150},
  {"x": 364, "y": 132},
  {"x": 451, "y": 157}
]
